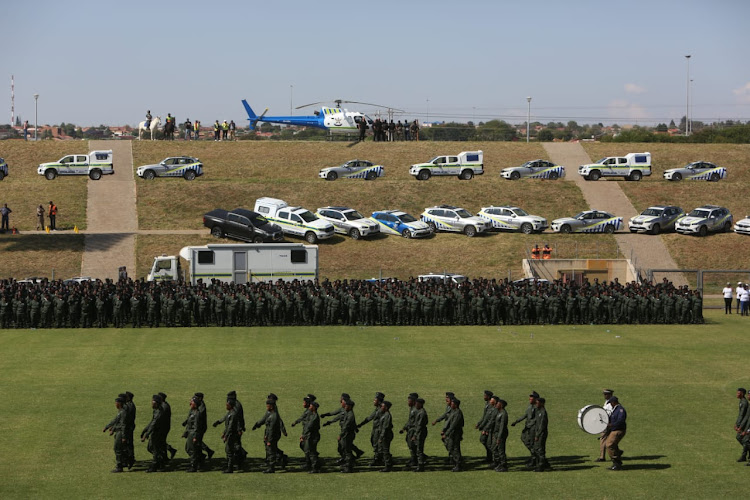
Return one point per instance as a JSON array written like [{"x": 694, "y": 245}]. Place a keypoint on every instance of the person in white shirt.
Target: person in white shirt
[
  {"x": 608, "y": 408},
  {"x": 738, "y": 294},
  {"x": 745, "y": 300},
  {"x": 727, "y": 292}
]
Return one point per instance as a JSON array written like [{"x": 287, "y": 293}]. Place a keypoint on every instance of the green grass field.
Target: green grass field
[{"x": 676, "y": 382}]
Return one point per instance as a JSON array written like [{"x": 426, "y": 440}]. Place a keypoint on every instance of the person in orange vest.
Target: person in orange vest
[
  {"x": 546, "y": 252},
  {"x": 535, "y": 252},
  {"x": 52, "y": 214}
]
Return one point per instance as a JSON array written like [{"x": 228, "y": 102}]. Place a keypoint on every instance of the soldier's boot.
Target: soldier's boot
[
  {"x": 489, "y": 456},
  {"x": 501, "y": 467},
  {"x": 118, "y": 468},
  {"x": 419, "y": 468},
  {"x": 172, "y": 452},
  {"x": 209, "y": 452},
  {"x": 358, "y": 452},
  {"x": 229, "y": 468}
]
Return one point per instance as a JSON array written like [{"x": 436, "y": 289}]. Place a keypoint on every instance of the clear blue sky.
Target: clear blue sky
[{"x": 107, "y": 62}]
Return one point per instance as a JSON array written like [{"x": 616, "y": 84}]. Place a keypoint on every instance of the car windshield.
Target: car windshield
[
  {"x": 307, "y": 216},
  {"x": 703, "y": 214},
  {"x": 464, "y": 214},
  {"x": 433, "y": 160},
  {"x": 520, "y": 212},
  {"x": 353, "y": 215},
  {"x": 258, "y": 220},
  {"x": 602, "y": 160},
  {"x": 652, "y": 211},
  {"x": 579, "y": 216},
  {"x": 460, "y": 279},
  {"x": 407, "y": 218}
]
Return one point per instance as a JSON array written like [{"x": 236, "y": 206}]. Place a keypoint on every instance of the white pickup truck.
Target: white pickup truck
[
  {"x": 465, "y": 165},
  {"x": 95, "y": 164},
  {"x": 632, "y": 166},
  {"x": 294, "y": 221}
]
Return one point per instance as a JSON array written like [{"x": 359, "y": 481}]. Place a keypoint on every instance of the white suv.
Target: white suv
[
  {"x": 346, "y": 220},
  {"x": 509, "y": 218},
  {"x": 455, "y": 219}
]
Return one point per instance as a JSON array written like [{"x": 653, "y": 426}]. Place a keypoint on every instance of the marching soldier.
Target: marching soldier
[
  {"x": 411, "y": 429},
  {"x": 540, "y": 437},
  {"x": 346, "y": 435},
  {"x": 338, "y": 416},
  {"x": 385, "y": 436},
  {"x": 453, "y": 434},
  {"x": 167, "y": 409},
  {"x": 374, "y": 417},
  {"x": 485, "y": 423},
  {"x": 202, "y": 423},
  {"x": 231, "y": 436},
  {"x": 271, "y": 435},
  {"x": 742, "y": 418},
  {"x": 500, "y": 436},
  {"x": 116, "y": 428},
  {"x": 130, "y": 427},
  {"x": 156, "y": 433},
  {"x": 193, "y": 446},
  {"x": 527, "y": 434},
  {"x": 310, "y": 438},
  {"x": 420, "y": 433}
]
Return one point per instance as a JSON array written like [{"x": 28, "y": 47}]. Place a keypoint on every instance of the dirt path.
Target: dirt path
[
  {"x": 111, "y": 216},
  {"x": 644, "y": 251}
]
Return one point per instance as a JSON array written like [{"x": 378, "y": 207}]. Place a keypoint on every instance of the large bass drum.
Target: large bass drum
[{"x": 593, "y": 419}]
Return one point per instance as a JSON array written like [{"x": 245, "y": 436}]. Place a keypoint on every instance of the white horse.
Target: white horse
[{"x": 155, "y": 122}]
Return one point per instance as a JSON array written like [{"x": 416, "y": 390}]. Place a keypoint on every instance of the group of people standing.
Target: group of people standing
[
  {"x": 492, "y": 428},
  {"x": 51, "y": 212},
  {"x": 225, "y": 131},
  {"x": 385, "y": 131},
  {"x": 742, "y": 296}
]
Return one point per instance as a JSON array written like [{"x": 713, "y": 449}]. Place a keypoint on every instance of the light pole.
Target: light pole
[
  {"x": 687, "y": 99},
  {"x": 528, "y": 119},
  {"x": 291, "y": 93},
  {"x": 428, "y": 111},
  {"x": 36, "y": 115}
]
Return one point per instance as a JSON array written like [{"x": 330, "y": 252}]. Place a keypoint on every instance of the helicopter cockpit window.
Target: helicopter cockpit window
[{"x": 358, "y": 119}]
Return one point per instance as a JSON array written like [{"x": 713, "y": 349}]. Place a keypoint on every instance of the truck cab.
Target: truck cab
[
  {"x": 95, "y": 164},
  {"x": 632, "y": 167},
  {"x": 465, "y": 165},
  {"x": 165, "y": 268},
  {"x": 294, "y": 221}
]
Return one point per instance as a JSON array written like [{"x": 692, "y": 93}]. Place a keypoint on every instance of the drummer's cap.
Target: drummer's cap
[
  {"x": 607, "y": 391},
  {"x": 614, "y": 400},
  {"x": 742, "y": 390},
  {"x": 534, "y": 395}
]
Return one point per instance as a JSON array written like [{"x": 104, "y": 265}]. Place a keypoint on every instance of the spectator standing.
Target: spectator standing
[
  {"x": 188, "y": 129},
  {"x": 744, "y": 300},
  {"x": 217, "y": 131},
  {"x": 738, "y": 294},
  {"x": 407, "y": 131},
  {"x": 232, "y": 131},
  {"x": 26, "y": 130},
  {"x": 727, "y": 292},
  {"x": 224, "y": 130},
  {"x": 197, "y": 129},
  {"x": 415, "y": 131},
  {"x": 52, "y": 214},
  {"x": 39, "y": 218},
  {"x": 5, "y": 212},
  {"x": 362, "y": 125}
]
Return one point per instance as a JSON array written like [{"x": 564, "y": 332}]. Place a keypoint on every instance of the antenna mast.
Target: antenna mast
[{"x": 12, "y": 100}]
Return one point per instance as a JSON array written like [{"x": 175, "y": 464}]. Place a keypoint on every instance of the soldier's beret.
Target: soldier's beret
[
  {"x": 120, "y": 400},
  {"x": 122, "y": 395},
  {"x": 613, "y": 400},
  {"x": 742, "y": 390},
  {"x": 503, "y": 402},
  {"x": 156, "y": 398},
  {"x": 344, "y": 396},
  {"x": 306, "y": 400},
  {"x": 607, "y": 391},
  {"x": 232, "y": 394},
  {"x": 542, "y": 400},
  {"x": 349, "y": 402},
  {"x": 449, "y": 394},
  {"x": 413, "y": 396},
  {"x": 270, "y": 401},
  {"x": 420, "y": 400},
  {"x": 387, "y": 404},
  {"x": 129, "y": 394},
  {"x": 379, "y": 395},
  {"x": 534, "y": 395},
  {"x": 311, "y": 397},
  {"x": 163, "y": 396},
  {"x": 488, "y": 393},
  {"x": 198, "y": 395},
  {"x": 456, "y": 401},
  {"x": 315, "y": 404},
  {"x": 273, "y": 396}
]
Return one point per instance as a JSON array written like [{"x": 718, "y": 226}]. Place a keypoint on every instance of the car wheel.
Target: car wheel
[
  {"x": 714, "y": 177},
  {"x": 656, "y": 229},
  {"x": 149, "y": 175},
  {"x": 355, "y": 234},
  {"x": 310, "y": 237},
  {"x": 609, "y": 229},
  {"x": 370, "y": 176},
  {"x": 553, "y": 176},
  {"x": 677, "y": 177},
  {"x": 406, "y": 233},
  {"x": 514, "y": 176},
  {"x": 95, "y": 174},
  {"x": 433, "y": 227},
  {"x": 566, "y": 229},
  {"x": 636, "y": 175},
  {"x": 527, "y": 228},
  {"x": 595, "y": 175},
  {"x": 703, "y": 231},
  {"x": 332, "y": 176},
  {"x": 217, "y": 232},
  {"x": 423, "y": 175},
  {"x": 50, "y": 174},
  {"x": 470, "y": 231},
  {"x": 189, "y": 175},
  {"x": 466, "y": 175},
  {"x": 257, "y": 239},
  {"x": 2, "y": 176}
]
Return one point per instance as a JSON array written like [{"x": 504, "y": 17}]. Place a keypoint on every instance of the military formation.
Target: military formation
[
  {"x": 492, "y": 428},
  {"x": 102, "y": 304}
]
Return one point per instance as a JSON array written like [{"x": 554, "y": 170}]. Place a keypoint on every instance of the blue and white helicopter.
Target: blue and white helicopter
[{"x": 336, "y": 120}]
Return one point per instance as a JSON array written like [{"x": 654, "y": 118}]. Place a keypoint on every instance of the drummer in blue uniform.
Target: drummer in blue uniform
[
  {"x": 603, "y": 438},
  {"x": 617, "y": 427}
]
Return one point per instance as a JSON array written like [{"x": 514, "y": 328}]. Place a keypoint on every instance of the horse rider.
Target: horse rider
[{"x": 148, "y": 118}]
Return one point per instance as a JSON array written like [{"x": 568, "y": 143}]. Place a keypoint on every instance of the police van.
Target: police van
[
  {"x": 95, "y": 164},
  {"x": 465, "y": 165},
  {"x": 632, "y": 167}
]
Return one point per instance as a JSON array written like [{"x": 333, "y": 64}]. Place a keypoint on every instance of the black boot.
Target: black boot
[{"x": 118, "y": 468}]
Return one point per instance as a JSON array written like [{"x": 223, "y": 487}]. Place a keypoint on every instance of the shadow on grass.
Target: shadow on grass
[{"x": 31, "y": 242}]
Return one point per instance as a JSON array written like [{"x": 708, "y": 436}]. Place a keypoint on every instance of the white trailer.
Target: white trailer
[{"x": 240, "y": 263}]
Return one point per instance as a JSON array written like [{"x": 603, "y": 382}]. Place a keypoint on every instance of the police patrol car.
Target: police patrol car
[
  {"x": 186, "y": 167},
  {"x": 3, "y": 169},
  {"x": 704, "y": 220},
  {"x": 743, "y": 226},
  {"x": 353, "y": 169},
  {"x": 588, "y": 221},
  {"x": 455, "y": 219},
  {"x": 294, "y": 221},
  {"x": 346, "y": 220},
  {"x": 656, "y": 219},
  {"x": 632, "y": 166},
  {"x": 95, "y": 164},
  {"x": 696, "y": 171},
  {"x": 509, "y": 218},
  {"x": 401, "y": 223},
  {"x": 535, "y": 169},
  {"x": 465, "y": 165}
]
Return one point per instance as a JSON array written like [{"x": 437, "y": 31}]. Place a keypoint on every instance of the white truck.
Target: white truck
[
  {"x": 294, "y": 221},
  {"x": 465, "y": 165},
  {"x": 95, "y": 164},
  {"x": 632, "y": 166},
  {"x": 239, "y": 263}
]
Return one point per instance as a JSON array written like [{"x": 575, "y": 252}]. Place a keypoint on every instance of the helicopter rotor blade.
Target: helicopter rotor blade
[{"x": 311, "y": 104}]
